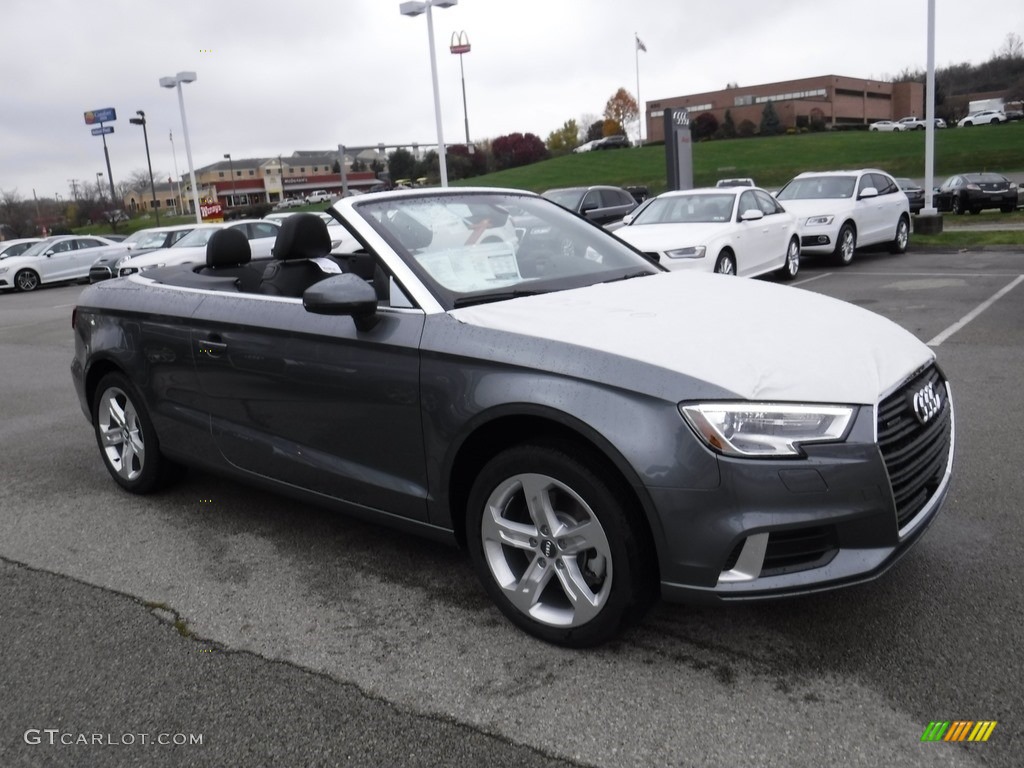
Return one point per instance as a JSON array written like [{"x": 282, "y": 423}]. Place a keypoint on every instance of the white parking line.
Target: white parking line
[
  {"x": 812, "y": 279},
  {"x": 975, "y": 312}
]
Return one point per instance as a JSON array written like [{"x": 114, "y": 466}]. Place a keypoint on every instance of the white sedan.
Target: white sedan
[
  {"x": 839, "y": 211},
  {"x": 191, "y": 249},
  {"x": 886, "y": 126},
  {"x": 732, "y": 231},
  {"x": 54, "y": 260}
]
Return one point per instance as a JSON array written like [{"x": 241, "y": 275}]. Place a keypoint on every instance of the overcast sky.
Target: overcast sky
[{"x": 274, "y": 77}]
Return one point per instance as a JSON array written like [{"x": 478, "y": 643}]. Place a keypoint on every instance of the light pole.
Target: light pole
[
  {"x": 415, "y": 8},
  {"x": 231, "y": 163},
  {"x": 141, "y": 120},
  {"x": 99, "y": 187},
  {"x": 460, "y": 45},
  {"x": 175, "y": 82}
]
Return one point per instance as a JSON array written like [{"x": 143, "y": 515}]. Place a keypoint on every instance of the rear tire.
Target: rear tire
[
  {"x": 791, "y": 268},
  {"x": 902, "y": 239},
  {"x": 846, "y": 245},
  {"x": 559, "y": 545},
  {"x": 127, "y": 439}
]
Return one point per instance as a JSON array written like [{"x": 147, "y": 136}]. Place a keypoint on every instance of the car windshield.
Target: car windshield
[
  {"x": 819, "y": 188},
  {"x": 687, "y": 209},
  {"x": 481, "y": 247},
  {"x": 567, "y": 198},
  {"x": 147, "y": 239},
  {"x": 196, "y": 237}
]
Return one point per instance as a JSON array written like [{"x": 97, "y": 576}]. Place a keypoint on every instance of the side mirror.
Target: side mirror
[
  {"x": 754, "y": 214},
  {"x": 868, "y": 192},
  {"x": 345, "y": 294},
  {"x": 588, "y": 207}
]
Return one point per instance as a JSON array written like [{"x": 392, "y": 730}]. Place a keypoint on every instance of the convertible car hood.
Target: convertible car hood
[
  {"x": 758, "y": 340},
  {"x": 660, "y": 237}
]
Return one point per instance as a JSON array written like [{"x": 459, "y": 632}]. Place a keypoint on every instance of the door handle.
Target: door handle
[{"x": 212, "y": 347}]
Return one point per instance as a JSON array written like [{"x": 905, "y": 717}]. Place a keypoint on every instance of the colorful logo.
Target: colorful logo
[{"x": 959, "y": 730}]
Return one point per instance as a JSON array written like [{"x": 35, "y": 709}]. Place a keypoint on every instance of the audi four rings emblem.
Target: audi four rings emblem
[
  {"x": 927, "y": 403},
  {"x": 681, "y": 117}
]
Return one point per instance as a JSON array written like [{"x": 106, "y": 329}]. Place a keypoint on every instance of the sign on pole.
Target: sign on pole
[
  {"x": 678, "y": 149},
  {"x": 107, "y": 115},
  {"x": 102, "y": 129}
]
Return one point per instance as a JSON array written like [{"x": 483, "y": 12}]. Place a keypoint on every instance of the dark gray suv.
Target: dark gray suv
[{"x": 601, "y": 205}]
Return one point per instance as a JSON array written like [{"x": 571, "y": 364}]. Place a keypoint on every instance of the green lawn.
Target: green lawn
[{"x": 772, "y": 161}]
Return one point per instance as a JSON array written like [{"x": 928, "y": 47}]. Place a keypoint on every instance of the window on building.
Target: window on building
[{"x": 220, "y": 174}]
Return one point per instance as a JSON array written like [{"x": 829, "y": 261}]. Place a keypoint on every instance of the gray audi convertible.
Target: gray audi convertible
[{"x": 485, "y": 368}]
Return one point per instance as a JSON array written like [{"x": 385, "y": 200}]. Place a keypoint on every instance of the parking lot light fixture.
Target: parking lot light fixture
[
  {"x": 415, "y": 8},
  {"x": 99, "y": 186},
  {"x": 141, "y": 120},
  {"x": 175, "y": 81},
  {"x": 231, "y": 164}
]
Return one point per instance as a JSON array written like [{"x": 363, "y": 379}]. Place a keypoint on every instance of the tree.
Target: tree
[
  {"x": 564, "y": 139},
  {"x": 1013, "y": 47},
  {"x": 728, "y": 126},
  {"x": 517, "y": 149},
  {"x": 771, "y": 125},
  {"x": 622, "y": 108},
  {"x": 746, "y": 129},
  {"x": 611, "y": 127},
  {"x": 595, "y": 131},
  {"x": 401, "y": 165},
  {"x": 703, "y": 126}
]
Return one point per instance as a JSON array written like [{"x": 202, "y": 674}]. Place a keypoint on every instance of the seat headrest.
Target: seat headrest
[
  {"x": 228, "y": 248},
  {"x": 302, "y": 236}
]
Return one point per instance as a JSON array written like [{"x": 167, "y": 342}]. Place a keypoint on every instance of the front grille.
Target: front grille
[{"x": 915, "y": 453}]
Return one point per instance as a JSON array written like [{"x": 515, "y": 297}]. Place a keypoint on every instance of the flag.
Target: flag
[{"x": 640, "y": 44}]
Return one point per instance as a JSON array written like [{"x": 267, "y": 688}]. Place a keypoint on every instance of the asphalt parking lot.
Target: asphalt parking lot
[{"x": 286, "y": 635}]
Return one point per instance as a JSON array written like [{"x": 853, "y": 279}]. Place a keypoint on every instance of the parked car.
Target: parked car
[
  {"x": 17, "y": 246},
  {"x": 586, "y": 146},
  {"x": 319, "y": 196},
  {"x": 142, "y": 241},
  {"x": 731, "y": 231},
  {"x": 985, "y": 117},
  {"x": 912, "y": 123},
  {"x": 735, "y": 183},
  {"x": 191, "y": 249},
  {"x": 290, "y": 202},
  {"x": 940, "y": 123},
  {"x": 974, "y": 192},
  {"x": 840, "y": 211},
  {"x": 599, "y": 204},
  {"x": 616, "y": 141},
  {"x": 594, "y": 430},
  {"x": 885, "y": 126},
  {"x": 913, "y": 191},
  {"x": 54, "y": 260}
]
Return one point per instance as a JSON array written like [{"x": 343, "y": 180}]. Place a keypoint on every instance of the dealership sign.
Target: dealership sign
[
  {"x": 102, "y": 129},
  {"x": 100, "y": 116}
]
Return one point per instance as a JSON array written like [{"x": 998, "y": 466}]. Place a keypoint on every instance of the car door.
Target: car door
[
  {"x": 777, "y": 230},
  {"x": 893, "y": 205},
  {"x": 84, "y": 255},
  {"x": 262, "y": 236},
  {"x": 311, "y": 401},
  {"x": 57, "y": 262},
  {"x": 869, "y": 211},
  {"x": 751, "y": 243}
]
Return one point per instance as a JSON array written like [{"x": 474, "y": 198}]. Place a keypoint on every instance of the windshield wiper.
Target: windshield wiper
[
  {"x": 486, "y": 298},
  {"x": 630, "y": 276}
]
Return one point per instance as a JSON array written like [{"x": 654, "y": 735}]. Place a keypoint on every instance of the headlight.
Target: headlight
[
  {"x": 696, "y": 252},
  {"x": 125, "y": 271},
  {"x": 819, "y": 221},
  {"x": 766, "y": 429}
]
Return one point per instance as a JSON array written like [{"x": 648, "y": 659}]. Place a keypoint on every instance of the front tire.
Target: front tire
[
  {"x": 558, "y": 545},
  {"x": 958, "y": 206},
  {"x": 846, "y": 245},
  {"x": 26, "y": 280},
  {"x": 791, "y": 268},
  {"x": 902, "y": 239},
  {"x": 126, "y": 437},
  {"x": 726, "y": 264}
]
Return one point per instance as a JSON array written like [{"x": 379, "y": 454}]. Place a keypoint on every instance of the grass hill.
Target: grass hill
[{"x": 772, "y": 161}]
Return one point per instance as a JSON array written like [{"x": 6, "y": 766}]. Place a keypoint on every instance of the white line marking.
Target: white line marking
[
  {"x": 811, "y": 279},
  {"x": 975, "y": 312}
]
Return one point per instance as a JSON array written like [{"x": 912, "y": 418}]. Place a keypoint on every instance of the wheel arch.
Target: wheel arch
[
  {"x": 97, "y": 370},
  {"x": 508, "y": 426}
]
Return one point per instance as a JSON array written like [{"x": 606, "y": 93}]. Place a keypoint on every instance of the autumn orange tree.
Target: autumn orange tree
[{"x": 621, "y": 108}]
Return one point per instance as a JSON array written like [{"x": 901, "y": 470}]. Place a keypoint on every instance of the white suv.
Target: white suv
[
  {"x": 985, "y": 117},
  {"x": 839, "y": 211}
]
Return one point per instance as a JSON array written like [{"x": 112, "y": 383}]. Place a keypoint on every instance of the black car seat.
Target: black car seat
[
  {"x": 228, "y": 255},
  {"x": 300, "y": 256}
]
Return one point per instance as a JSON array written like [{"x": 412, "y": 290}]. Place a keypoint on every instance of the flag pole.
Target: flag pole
[{"x": 639, "y": 104}]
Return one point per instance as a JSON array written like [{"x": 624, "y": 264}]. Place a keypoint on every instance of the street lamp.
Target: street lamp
[
  {"x": 460, "y": 45},
  {"x": 415, "y": 8},
  {"x": 232, "y": 164},
  {"x": 175, "y": 82},
  {"x": 141, "y": 120}
]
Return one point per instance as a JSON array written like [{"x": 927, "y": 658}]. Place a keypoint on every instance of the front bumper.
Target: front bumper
[
  {"x": 779, "y": 528},
  {"x": 822, "y": 241}
]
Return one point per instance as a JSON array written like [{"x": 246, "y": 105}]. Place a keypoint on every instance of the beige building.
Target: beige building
[{"x": 829, "y": 99}]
